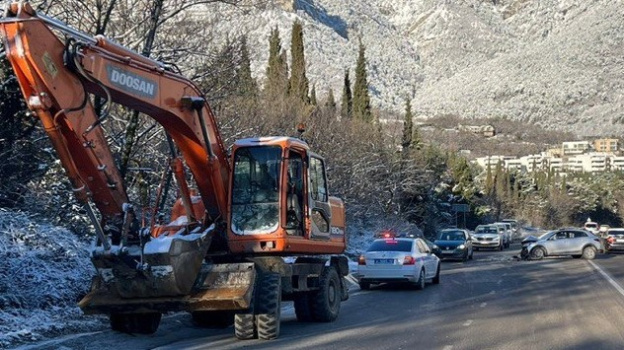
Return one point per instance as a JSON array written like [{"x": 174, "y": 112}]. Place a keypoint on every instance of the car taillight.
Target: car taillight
[
  {"x": 409, "y": 260},
  {"x": 361, "y": 260}
]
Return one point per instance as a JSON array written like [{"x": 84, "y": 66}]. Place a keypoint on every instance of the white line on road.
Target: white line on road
[
  {"x": 607, "y": 277},
  {"x": 468, "y": 323},
  {"x": 483, "y": 304}
]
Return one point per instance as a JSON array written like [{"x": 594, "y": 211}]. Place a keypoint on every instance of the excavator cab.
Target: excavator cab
[{"x": 279, "y": 202}]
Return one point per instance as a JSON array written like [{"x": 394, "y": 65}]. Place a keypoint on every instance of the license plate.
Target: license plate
[
  {"x": 384, "y": 261},
  {"x": 447, "y": 252}
]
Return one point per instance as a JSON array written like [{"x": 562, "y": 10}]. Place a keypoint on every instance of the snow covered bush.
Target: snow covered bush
[{"x": 45, "y": 270}]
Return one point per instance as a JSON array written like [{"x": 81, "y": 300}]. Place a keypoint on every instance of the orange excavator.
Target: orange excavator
[{"x": 260, "y": 229}]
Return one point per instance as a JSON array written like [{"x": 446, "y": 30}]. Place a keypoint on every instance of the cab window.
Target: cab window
[{"x": 318, "y": 186}]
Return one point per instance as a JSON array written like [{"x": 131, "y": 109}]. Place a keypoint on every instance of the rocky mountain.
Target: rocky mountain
[{"x": 557, "y": 64}]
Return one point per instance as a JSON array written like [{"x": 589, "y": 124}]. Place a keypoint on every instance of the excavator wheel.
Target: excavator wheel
[
  {"x": 326, "y": 301},
  {"x": 268, "y": 306},
  {"x": 143, "y": 323},
  {"x": 213, "y": 319},
  {"x": 303, "y": 308},
  {"x": 244, "y": 322}
]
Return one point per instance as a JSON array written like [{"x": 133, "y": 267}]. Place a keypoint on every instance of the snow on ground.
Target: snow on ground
[{"x": 45, "y": 271}]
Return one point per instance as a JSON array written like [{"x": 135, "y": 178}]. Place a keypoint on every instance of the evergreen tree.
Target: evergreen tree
[
  {"x": 298, "y": 80},
  {"x": 361, "y": 99},
  {"x": 246, "y": 84},
  {"x": 346, "y": 103},
  {"x": 330, "y": 103},
  {"x": 313, "y": 95},
  {"x": 499, "y": 178},
  {"x": 406, "y": 141},
  {"x": 277, "y": 68},
  {"x": 283, "y": 64},
  {"x": 489, "y": 181}
]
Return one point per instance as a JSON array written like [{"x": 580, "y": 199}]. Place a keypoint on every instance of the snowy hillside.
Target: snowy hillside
[
  {"x": 45, "y": 271},
  {"x": 556, "y": 63}
]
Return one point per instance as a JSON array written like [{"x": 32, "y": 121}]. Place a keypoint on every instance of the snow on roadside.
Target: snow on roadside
[{"x": 45, "y": 271}]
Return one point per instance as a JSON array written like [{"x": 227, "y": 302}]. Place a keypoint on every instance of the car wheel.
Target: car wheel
[
  {"x": 589, "y": 253},
  {"x": 538, "y": 253},
  {"x": 436, "y": 279},
  {"x": 365, "y": 285},
  {"x": 420, "y": 285}
]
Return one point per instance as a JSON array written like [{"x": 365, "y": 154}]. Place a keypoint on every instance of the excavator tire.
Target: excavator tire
[
  {"x": 268, "y": 306},
  {"x": 303, "y": 308},
  {"x": 143, "y": 323},
  {"x": 213, "y": 319},
  {"x": 326, "y": 301},
  {"x": 244, "y": 322}
]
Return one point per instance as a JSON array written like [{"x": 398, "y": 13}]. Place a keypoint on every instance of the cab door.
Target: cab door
[{"x": 319, "y": 210}]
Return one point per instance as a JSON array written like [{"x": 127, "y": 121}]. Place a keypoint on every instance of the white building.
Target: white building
[
  {"x": 590, "y": 162},
  {"x": 575, "y": 147},
  {"x": 617, "y": 163},
  {"x": 492, "y": 161}
]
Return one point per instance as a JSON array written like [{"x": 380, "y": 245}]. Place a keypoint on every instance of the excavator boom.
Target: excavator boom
[{"x": 57, "y": 77}]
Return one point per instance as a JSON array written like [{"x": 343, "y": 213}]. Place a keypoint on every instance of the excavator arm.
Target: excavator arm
[{"x": 57, "y": 78}]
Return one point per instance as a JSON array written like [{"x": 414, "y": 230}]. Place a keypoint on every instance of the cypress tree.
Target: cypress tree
[
  {"x": 298, "y": 80},
  {"x": 277, "y": 68},
  {"x": 247, "y": 85},
  {"x": 406, "y": 141},
  {"x": 489, "y": 181},
  {"x": 283, "y": 64},
  {"x": 313, "y": 95},
  {"x": 361, "y": 99},
  {"x": 330, "y": 103},
  {"x": 346, "y": 104}
]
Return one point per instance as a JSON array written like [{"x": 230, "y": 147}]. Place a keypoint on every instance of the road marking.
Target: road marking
[
  {"x": 448, "y": 347},
  {"x": 483, "y": 304},
  {"x": 608, "y": 278},
  {"x": 467, "y": 323}
]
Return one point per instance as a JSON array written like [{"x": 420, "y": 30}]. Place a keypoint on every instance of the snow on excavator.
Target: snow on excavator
[{"x": 221, "y": 257}]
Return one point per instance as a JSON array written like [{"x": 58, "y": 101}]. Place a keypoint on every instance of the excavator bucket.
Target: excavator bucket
[
  {"x": 167, "y": 266},
  {"x": 218, "y": 287}
]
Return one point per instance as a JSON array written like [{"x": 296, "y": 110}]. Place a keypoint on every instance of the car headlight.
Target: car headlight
[{"x": 461, "y": 246}]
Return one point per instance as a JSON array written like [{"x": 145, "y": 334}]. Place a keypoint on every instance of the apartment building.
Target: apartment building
[
  {"x": 606, "y": 145},
  {"x": 575, "y": 147},
  {"x": 576, "y": 156}
]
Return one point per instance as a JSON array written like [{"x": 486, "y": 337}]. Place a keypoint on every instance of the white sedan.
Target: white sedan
[{"x": 398, "y": 260}]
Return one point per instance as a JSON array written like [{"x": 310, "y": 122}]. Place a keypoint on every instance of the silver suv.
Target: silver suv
[{"x": 565, "y": 241}]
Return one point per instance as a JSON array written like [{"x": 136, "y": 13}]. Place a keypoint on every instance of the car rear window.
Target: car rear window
[{"x": 390, "y": 245}]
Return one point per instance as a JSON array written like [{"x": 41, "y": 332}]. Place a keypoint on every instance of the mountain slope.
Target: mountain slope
[{"x": 556, "y": 63}]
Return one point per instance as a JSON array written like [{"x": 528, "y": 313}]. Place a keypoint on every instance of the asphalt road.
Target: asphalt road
[{"x": 490, "y": 302}]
